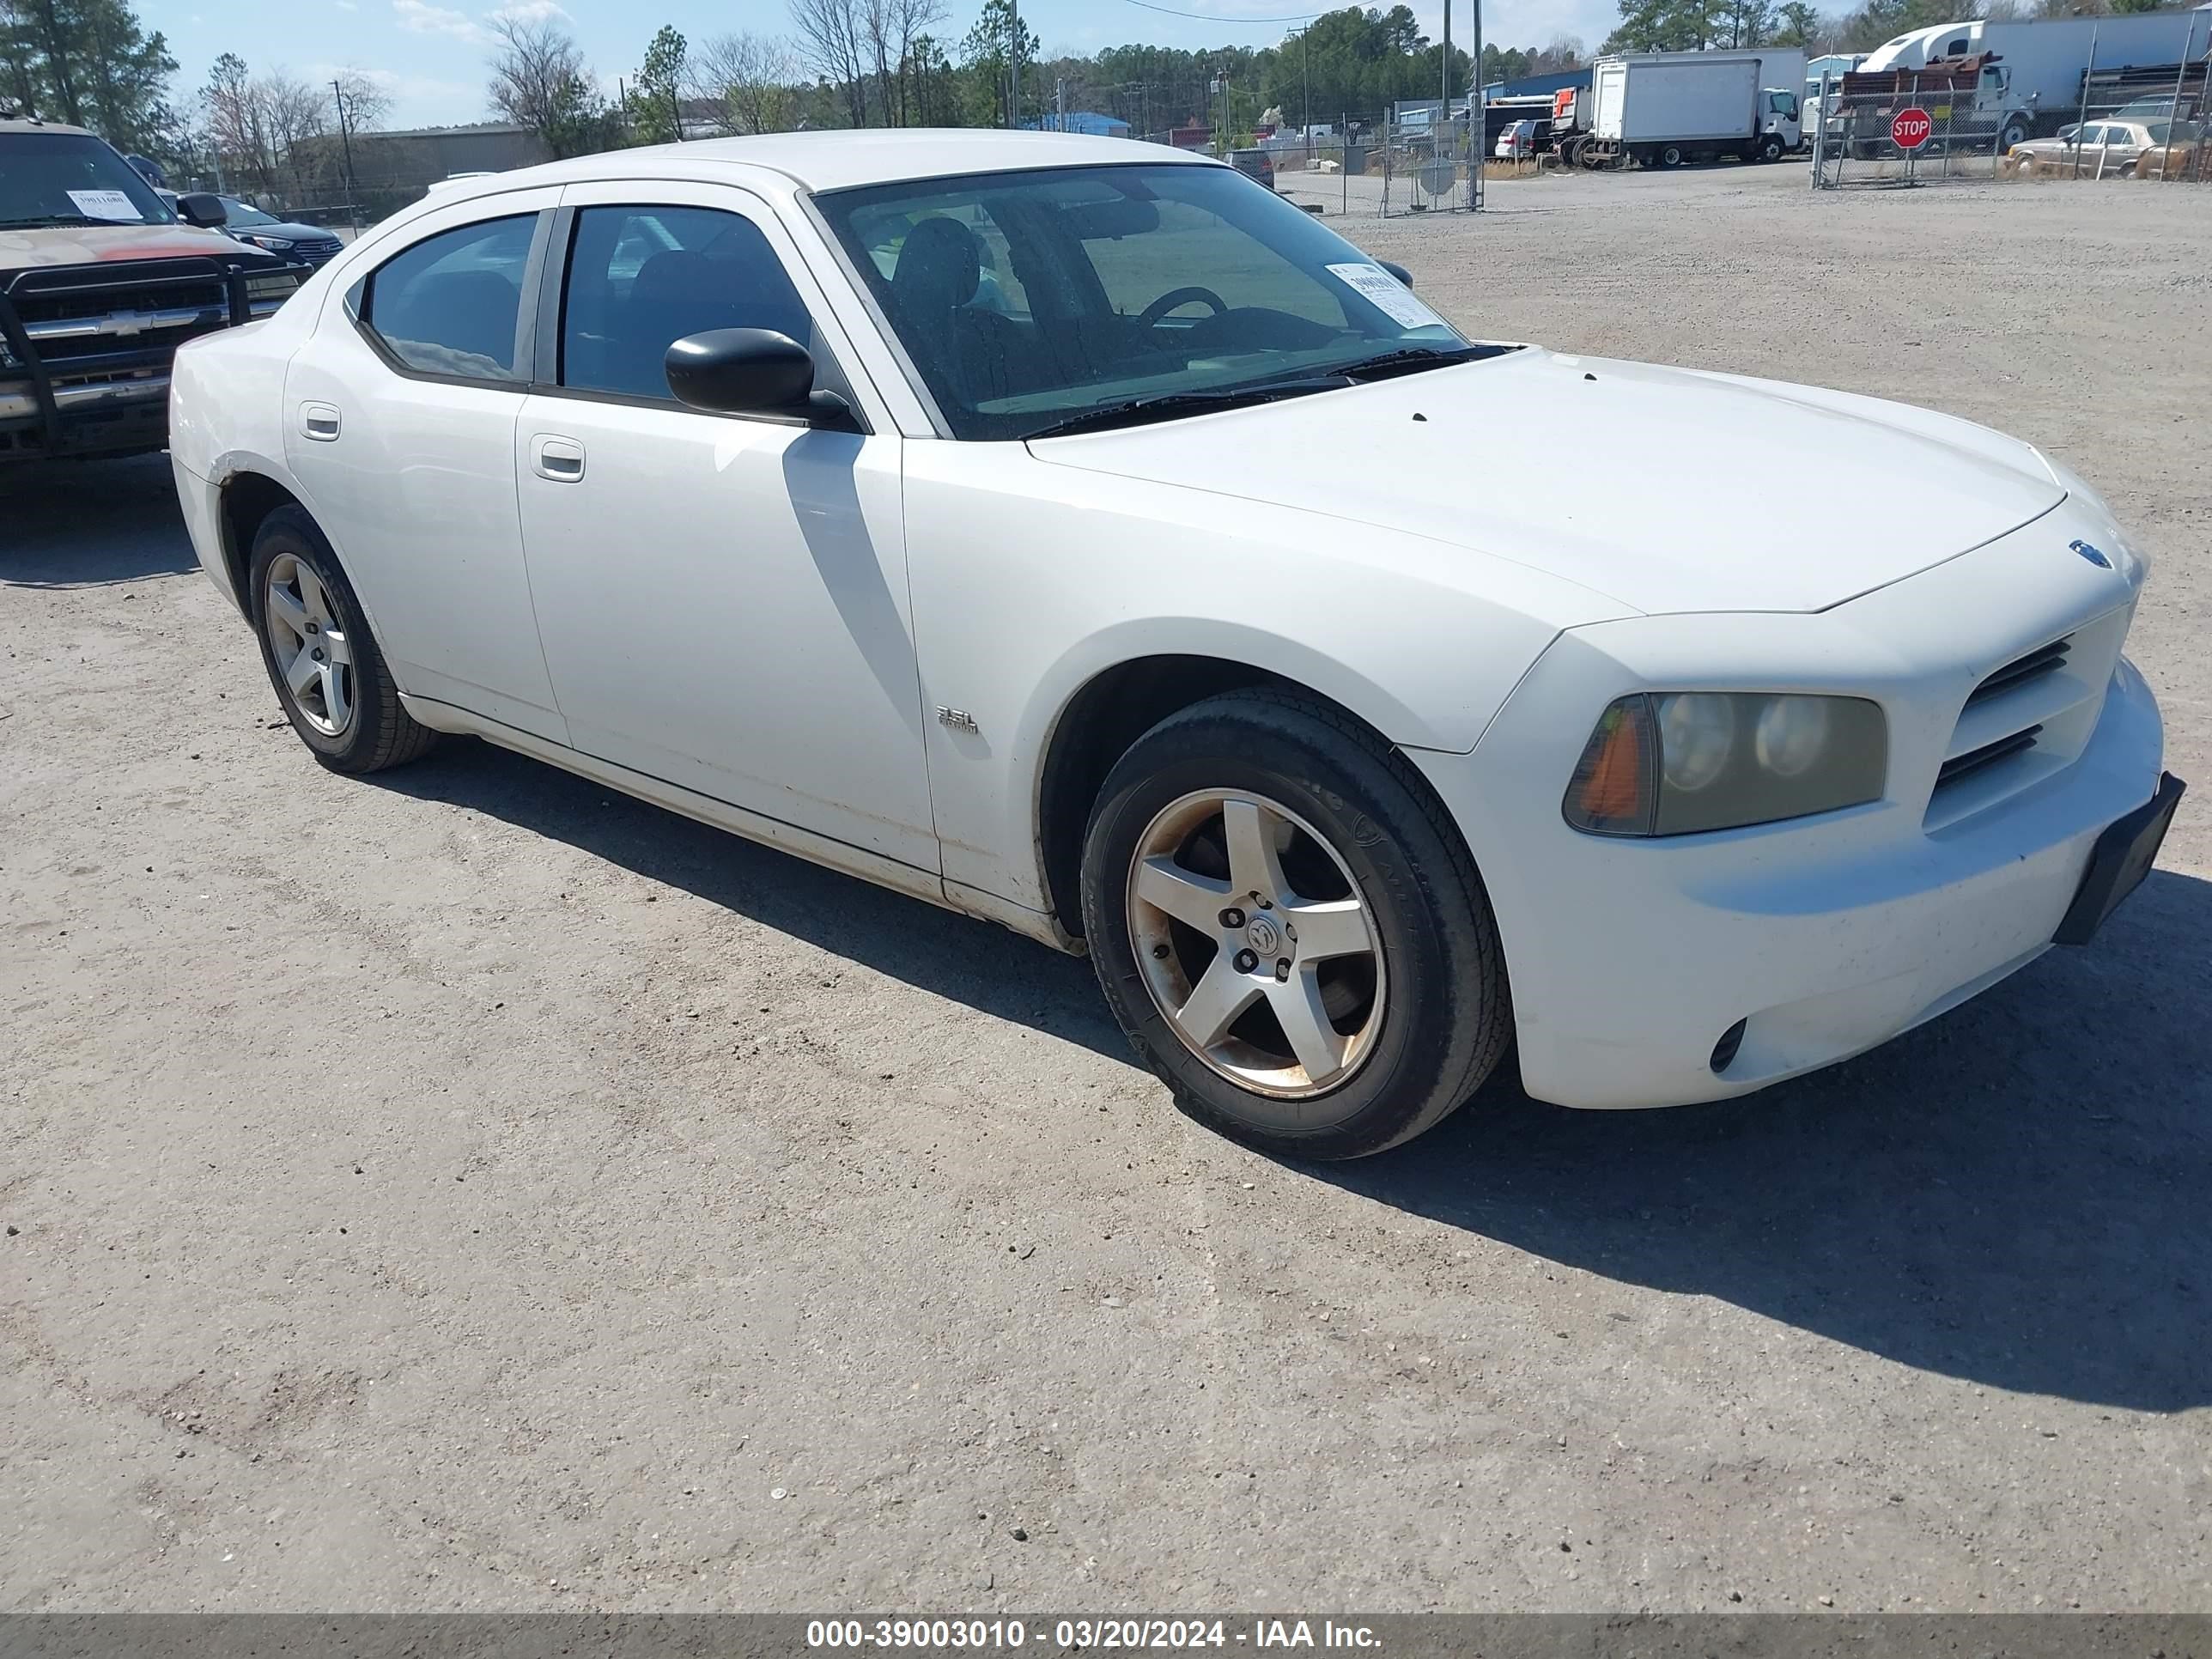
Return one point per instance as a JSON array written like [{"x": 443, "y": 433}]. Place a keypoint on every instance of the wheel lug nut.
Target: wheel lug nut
[
  {"x": 1246, "y": 962},
  {"x": 1232, "y": 918},
  {"x": 312, "y": 628},
  {"x": 317, "y": 653},
  {"x": 1283, "y": 968},
  {"x": 1267, "y": 904}
]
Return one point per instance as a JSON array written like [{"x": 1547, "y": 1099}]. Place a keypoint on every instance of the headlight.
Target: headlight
[
  {"x": 1672, "y": 764},
  {"x": 274, "y": 244}
]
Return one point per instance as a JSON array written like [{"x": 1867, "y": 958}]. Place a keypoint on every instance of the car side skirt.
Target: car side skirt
[{"x": 925, "y": 884}]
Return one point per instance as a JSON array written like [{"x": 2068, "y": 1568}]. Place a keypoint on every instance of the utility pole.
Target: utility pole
[
  {"x": 1478, "y": 122},
  {"x": 345, "y": 139}
]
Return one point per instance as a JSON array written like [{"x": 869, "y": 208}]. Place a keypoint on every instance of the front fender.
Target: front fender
[{"x": 1029, "y": 581}]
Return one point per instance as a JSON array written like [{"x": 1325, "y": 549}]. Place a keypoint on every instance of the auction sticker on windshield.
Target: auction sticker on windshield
[
  {"x": 108, "y": 204},
  {"x": 1390, "y": 295}
]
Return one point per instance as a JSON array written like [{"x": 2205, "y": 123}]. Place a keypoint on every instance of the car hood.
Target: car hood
[
  {"x": 289, "y": 231},
  {"x": 85, "y": 245},
  {"x": 1665, "y": 490}
]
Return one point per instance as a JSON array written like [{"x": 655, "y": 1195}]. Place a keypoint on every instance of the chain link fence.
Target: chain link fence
[
  {"x": 1428, "y": 166},
  {"x": 2146, "y": 123},
  {"x": 1953, "y": 123},
  {"x": 1924, "y": 128}
]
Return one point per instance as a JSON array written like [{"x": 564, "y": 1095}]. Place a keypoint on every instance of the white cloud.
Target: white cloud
[
  {"x": 419, "y": 18},
  {"x": 530, "y": 11}
]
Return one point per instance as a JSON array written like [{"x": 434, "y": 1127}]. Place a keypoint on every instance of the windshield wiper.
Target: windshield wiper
[
  {"x": 1167, "y": 405},
  {"x": 42, "y": 219},
  {"x": 1410, "y": 358}
]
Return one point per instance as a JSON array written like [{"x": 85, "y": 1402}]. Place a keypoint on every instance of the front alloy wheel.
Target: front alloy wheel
[
  {"x": 1256, "y": 946},
  {"x": 1288, "y": 928}
]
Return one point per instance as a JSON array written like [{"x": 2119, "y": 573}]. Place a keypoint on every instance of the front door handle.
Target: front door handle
[
  {"x": 561, "y": 460},
  {"x": 320, "y": 422}
]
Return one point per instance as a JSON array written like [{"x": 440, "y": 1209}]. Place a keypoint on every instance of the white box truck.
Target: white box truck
[
  {"x": 1663, "y": 108},
  {"x": 2031, "y": 77}
]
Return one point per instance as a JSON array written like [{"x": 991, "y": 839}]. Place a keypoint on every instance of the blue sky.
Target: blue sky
[{"x": 430, "y": 53}]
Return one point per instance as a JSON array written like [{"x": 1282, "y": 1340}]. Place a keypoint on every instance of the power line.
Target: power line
[{"x": 1214, "y": 17}]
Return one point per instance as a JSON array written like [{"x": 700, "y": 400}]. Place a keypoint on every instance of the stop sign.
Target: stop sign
[{"x": 1910, "y": 128}]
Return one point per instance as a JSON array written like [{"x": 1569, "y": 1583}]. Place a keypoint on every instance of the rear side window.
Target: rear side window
[
  {"x": 450, "y": 304},
  {"x": 641, "y": 278}
]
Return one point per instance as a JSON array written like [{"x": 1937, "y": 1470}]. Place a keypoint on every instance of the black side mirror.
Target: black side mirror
[
  {"x": 1397, "y": 270},
  {"x": 748, "y": 371},
  {"x": 203, "y": 209}
]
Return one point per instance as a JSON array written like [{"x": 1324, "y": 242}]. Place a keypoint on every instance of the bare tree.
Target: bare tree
[
  {"x": 910, "y": 20},
  {"x": 367, "y": 99},
  {"x": 833, "y": 41},
  {"x": 748, "y": 77},
  {"x": 538, "y": 81},
  {"x": 235, "y": 131}
]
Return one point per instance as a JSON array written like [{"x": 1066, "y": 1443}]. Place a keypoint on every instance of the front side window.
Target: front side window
[
  {"x": 641, "y": 278},
  {"x": 69, "y": 179},
  {"x": 450, "y": 304},
  {"x": 1025, "y": 299}
]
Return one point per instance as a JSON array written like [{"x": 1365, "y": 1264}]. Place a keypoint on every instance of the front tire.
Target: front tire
[
  {"x": 1769, "y": 149},
  {"x": 1288, "y": 930},
  {"x": 322, "y": 659}
]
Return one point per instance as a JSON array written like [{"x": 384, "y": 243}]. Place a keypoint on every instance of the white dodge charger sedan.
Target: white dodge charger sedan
[{"x": 1074, "y": 533}]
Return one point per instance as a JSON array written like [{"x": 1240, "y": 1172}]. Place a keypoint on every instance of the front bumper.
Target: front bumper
[{"x": 1629, "y": 960}]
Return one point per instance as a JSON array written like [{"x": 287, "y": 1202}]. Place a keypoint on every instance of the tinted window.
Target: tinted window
[
  {"x": 641, "y": 278},
  {"x": 1026, "y": 298},
  {"x": 67, "y": 179},
  {"x": 449, "y": 304}
]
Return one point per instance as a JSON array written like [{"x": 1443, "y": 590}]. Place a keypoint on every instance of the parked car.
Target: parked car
[
  {"x": 2107, "y": 149},
  {"x": 1516, "y": 142},
  {"x": 1195, "y": 610},
  {"x": 1254, "y": 164},
  {"x": 2189, "y": 158},
  {"x": 99, "y": 284},
  {"x": 309, "y": 245}
]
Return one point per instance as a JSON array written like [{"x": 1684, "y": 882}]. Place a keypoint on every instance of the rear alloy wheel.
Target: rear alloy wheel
[
  {"x": 323, "y": 662},
  {"x": 1290, "y": 932},
  {"x": 1670, "y": 155}
]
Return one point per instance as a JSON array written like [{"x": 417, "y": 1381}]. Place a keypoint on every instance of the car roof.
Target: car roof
[
  {"x": 839, "y": 160},
  {"x": 19, "y": 125}
]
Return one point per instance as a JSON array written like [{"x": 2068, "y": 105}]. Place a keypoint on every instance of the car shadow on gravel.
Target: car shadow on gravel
[
  {"x": 975, "y": 962},
  {"x": 86, "y": 524},
  {"x": 2019, "y": 1194}
]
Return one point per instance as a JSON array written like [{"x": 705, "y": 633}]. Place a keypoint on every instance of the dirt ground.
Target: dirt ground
[{"x": 469, "y": 1189}]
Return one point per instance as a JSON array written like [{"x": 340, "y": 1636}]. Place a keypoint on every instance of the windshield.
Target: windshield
[
  {"x": 1025, "y": 299},
  {"x": 236, "y": 212},
  {"x": 70, "y": 178}
]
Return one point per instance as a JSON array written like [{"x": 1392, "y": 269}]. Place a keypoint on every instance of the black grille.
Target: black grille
[
  {"x": 2034, "y": 665},
  {"x": 66, "y": 304},
  {"x": 1989, "y": 754}
]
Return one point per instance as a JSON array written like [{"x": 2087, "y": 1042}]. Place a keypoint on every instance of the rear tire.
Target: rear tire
[
  {"x": 322, "y": 658},
  {"x": 1670, "y": 155},
  {"x": 1405, "y": 988}
]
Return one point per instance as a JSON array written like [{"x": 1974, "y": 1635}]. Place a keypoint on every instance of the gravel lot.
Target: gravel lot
[{"x": 468, "y": 1189}]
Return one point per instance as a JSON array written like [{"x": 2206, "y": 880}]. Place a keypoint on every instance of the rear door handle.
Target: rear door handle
[
  {"x": 320, "y": 422},
  {"x": 561, "y": 460}
]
